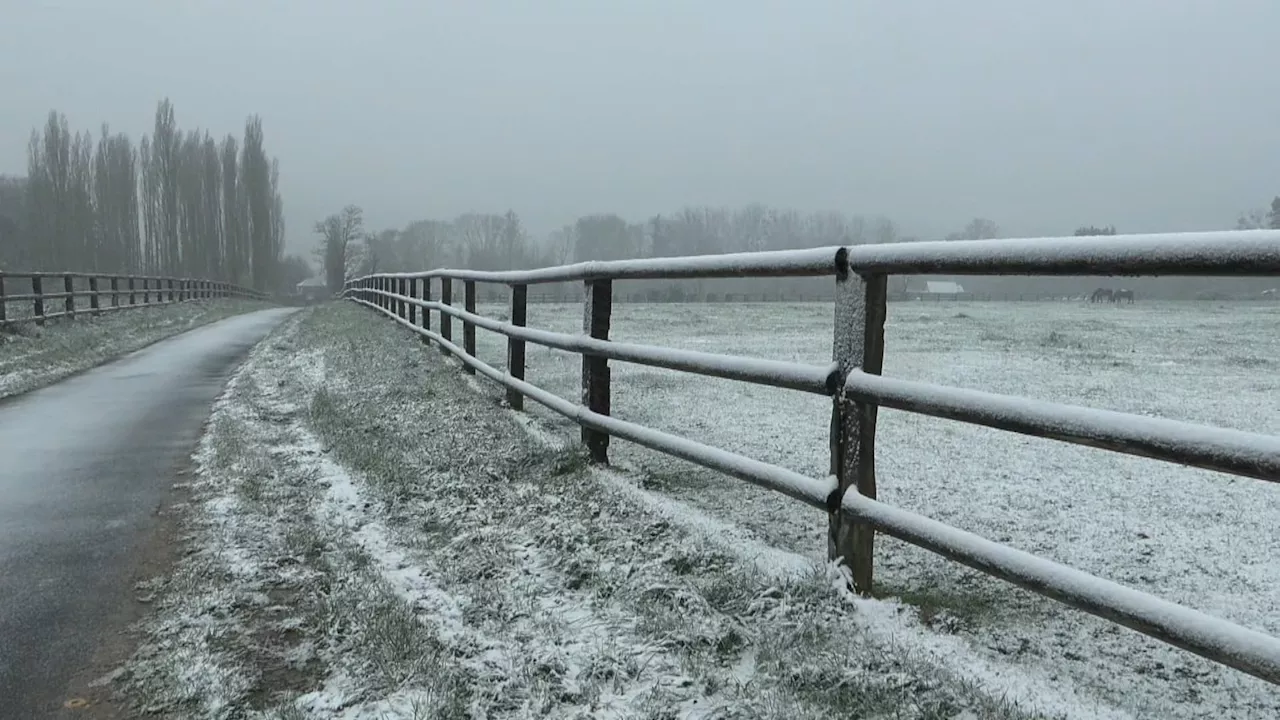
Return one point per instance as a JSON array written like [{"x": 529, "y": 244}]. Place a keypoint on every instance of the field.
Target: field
[{"x": 1198, "y": 538}]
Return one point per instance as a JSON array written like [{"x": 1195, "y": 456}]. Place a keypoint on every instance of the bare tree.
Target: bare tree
[{"x": 337, "y": 233}]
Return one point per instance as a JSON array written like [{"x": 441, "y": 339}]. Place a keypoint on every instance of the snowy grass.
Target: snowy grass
[
  {"x": 33, "y": 356},
  {"x": 1198, "y": 538},
  {"x": 377, "y": 539}
]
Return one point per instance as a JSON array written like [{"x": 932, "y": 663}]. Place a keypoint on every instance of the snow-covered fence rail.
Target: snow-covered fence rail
[
  {"x": 102, "y": 293},
  {"x": 854, "y": 382}
]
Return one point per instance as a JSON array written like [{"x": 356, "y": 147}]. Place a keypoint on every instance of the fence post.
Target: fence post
[
  {"x": 597, "y": 307},
  {"x": 115, "y": 291},
  {"x": 94, "y": 305},
  {"x": 426, "y": 314},
  {"x": 403, "y": 292},
  {"x": 172, "y": 290},
  {"x": 858, "y": 345},
  {"x": 413, "y": 293},
  {"x": 37, "y": 289},
  {"x": 69, "y": 302},
  {"x": 515, "y": 347},
  {"x": 469, "y": 329},
  {"x": 446, "y": 320},
  {"x": 4, "y": 306},
  {"x": 133, "y": 297}
]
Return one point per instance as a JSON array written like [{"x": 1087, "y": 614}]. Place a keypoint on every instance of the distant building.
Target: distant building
[
  {"x": 313, "y": 289},
  {"x": 931, "y": 289}
]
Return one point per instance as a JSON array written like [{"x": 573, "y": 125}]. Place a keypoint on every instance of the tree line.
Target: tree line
[
  {"x": 481, "y": 241},
  {"x": 176, "y": 203},
  {"x": 500, "y": 242}
]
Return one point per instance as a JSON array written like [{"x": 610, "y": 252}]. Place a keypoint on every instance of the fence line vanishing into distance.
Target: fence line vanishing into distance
[
  {"x": 121, "y": 292},
  {"x": 854, "y": 382}
]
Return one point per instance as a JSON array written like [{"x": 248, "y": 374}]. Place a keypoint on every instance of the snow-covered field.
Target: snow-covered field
[
  {"x": 1202, "y": 539},
  {"x": 32, "y": 356},
  {"x": 372, "y": 535}
]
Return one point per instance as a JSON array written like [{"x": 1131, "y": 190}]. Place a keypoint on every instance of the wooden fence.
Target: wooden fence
[
  {"x": 94, "y": 294},
  {"x": 854, "y": 382}
]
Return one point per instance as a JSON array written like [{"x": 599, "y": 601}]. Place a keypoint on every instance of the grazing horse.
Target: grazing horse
[
  {"x": 1102, "y": 295},
  {"x": 1122, "y": 294}
]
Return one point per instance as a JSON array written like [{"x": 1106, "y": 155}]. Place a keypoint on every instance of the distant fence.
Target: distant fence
[
  {"x": 781, "y": 297},
  {"x": 854, "y": 382},
  {"x": 65, "y": 295}
]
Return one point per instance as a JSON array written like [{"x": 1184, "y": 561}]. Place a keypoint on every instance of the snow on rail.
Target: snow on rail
[
  {"x": 1212, "y": 448},
  {"x": 773, "y": 263},
  {"x": 775, "y": 373},
  {"x": 1214, "y": 638},
  {"x": 1233, "y": 252},
  {"x": 1219, "y": 640}
]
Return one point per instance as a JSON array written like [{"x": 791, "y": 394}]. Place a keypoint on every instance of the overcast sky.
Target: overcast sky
[{"x": 1040, "y": 114}]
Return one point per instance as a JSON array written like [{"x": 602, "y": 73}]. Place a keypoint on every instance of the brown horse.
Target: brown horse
[
  {"x": 1102, "y": 295},
  {"x": 1121, "y": 295}
]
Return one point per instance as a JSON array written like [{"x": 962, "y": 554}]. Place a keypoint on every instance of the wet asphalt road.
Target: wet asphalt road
[{"x": 83, "y": 466}]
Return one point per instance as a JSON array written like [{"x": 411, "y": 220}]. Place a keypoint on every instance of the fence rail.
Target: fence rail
[
  {"x": 854, "y": 382},
  {"x": 103, "y": 293}
]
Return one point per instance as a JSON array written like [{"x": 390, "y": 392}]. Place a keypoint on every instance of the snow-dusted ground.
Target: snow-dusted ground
[
  {"x": 1198, "y": 538},
  {"x": 373, "y": 536},
  {"x": 32, "y": 356}
]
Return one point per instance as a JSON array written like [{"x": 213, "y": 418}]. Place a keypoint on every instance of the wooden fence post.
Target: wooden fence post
[
  {"x": 94, "y": 306},
  {"x": 469, "y": 329},
  {"x": 115, "y": 291},
  {"x": 4, "y": 306},
  {"x": 597, "y": 308},
  {"x": 859, "y": 345},
  {"x": 37, "y": 289},
  {"x": 515, "y": 347},
  {"x": 133, "y": 297},
  {"x": 426, "y": 314},
  {"x": 69, "y": 302},
  {"x": 413, "y": 293},
  {"x": 172, "y": 291},
  {"x": 446, "y": 320},
  {"x": 402, "y": 292}
]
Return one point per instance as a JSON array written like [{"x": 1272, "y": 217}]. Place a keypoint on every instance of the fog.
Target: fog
[{"x": 1146, "y": 114}]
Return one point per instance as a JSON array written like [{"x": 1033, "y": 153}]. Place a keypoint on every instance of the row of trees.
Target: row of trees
[
  {"x": 499, "y": 242},
  {"x": 177, "y": 203}
]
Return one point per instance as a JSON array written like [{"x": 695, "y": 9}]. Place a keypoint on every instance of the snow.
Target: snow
[
  {"x": 1193, "y": 537},
  {"x": 775, "y": 263},
  {"x": 787, "y": 482},
  {"x": 1231, "y": 451},
  {"x": 1233, "y": 252},
  {"x": 796, "y": 376},
  {"x": 1226, "y": 642}
]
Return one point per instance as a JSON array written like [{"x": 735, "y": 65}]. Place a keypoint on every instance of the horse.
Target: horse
[
  {"x": 1102, "y": 295},
  {"x": 1122, "y": 294}
]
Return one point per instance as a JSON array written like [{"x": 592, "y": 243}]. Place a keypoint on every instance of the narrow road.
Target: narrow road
[{"x": 84, "y": 465}]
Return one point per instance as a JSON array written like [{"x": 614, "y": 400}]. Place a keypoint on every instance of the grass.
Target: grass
[{"x": 368, "y": 537}]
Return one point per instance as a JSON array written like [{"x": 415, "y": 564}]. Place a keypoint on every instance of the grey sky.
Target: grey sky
[{"x": 1042, "y": 115}]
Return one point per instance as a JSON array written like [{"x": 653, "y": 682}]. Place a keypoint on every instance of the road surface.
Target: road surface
[{"x": 84, "y": 464}]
